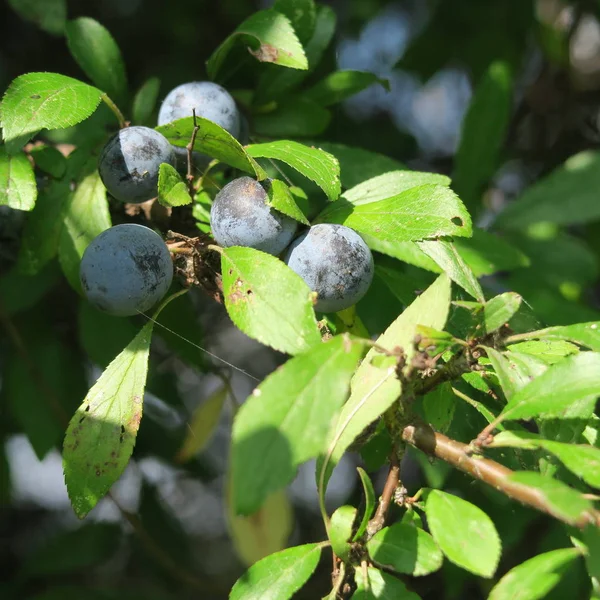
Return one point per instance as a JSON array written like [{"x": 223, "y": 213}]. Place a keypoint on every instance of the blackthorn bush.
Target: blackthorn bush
[
  {"x": 240, "y": 216},
  {"x": 335, "y": 262},
  {"x": 126, "y": 269},
  {"x": 130, "y": 161}
]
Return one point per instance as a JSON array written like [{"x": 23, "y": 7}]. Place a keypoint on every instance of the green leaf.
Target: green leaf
[
  {"x": 534, "y": 578},
  {"x": 419, "y": 212},
  {"x": 302, "y": 15},
  {"x": 212, "y": 140},
  {"x": 499, "y": 310},
  {"x": 405, "y": 549},
  {"x": 295, "y": 117},
  {"x": 315, "y": 164},
  {"x": 464, "y": 532},
  {"x": 374, "y": 390},
  {"x": 444, "y": 253},
  {"x": 438, "y": 407},
  {"x": 369, "y": 503},
  {"x": 280, "y": 198},
  {"x": 270, "y": 38},
  {"x": 408, "y": 252},
  {"x": 380, "y": 585},
  {"x": 278, "y": 576},
  {"x": 591, "y": 537},
  {"x": 286, "y": 420},
  {"x": 49, "y": 15},
  {"x": 358, "y": 165},
  {"x": 20, "y": 292},
  {"x": 514, "y": 371},
  {"x": 566, "y": 196},
  {"x": 391, "y": 184},
  {"x": 98, "y": 55},
  {"x": 263, "y": 532},
  {"x": 49, "y": 160},
  {"x": 584, "y": 334},
  {"x": 582, "y": 460},
  {"x": 202, "y": 425},
  {"x": 550, "y": 351},
  {"x": 339, "y": 85},
  {"x": 40, "y": 398},
  {"x": 101, "y": 435},
  {"x": 75, "y": 550},
  {"x": 85, "y": 216},
  {"x": 172, "y": 190},
  {"x": 340, "y": 530},
  {"x": 144, "y": 101},
  {"x": 483, "y": 132},
  {"x": 487, "y": 253},
  {"x": 41, "y": 234},
  {"x": 565, "y": 503},
  {"x": 268, "y": 301},
  {"x": 17, "y": 181},
  {"x": 275, "y": 82},
  {"x": 569, "y": 380},
  {"x": 37, "y": 101}
]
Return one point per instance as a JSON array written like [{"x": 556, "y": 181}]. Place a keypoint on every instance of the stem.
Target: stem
[
  {"x": 391, "y": 483},
  {"x": 488, "y": 471},
  {"x": 190, "y": 159},
  {"x": 115, "y": 109}
]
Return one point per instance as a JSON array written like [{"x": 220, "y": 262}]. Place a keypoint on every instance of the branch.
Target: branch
[
  {"x": 190, "y": 158},
  {"x": 391, "y": 484},
  {"x": 459, "y": 455}
]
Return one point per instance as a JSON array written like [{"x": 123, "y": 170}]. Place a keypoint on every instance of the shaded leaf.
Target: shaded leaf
[
  {"x": 340, "y": 530},
  {"x": 19, "y": 292},
  {"x": 270, "y": 38},
  {"x": 85, "y": 216},
  {"x": 302, "y": 15},
  {"x": 369, "y": 503},
  {"x": 374, "y": 390},
  {"x": 267, "y": 300},
  {"x": 466, "y": 535},
  {"x": 380, "y": 585},
  {"x": 37, "y": 101},
  {"x": 96, "y": 52},
  {"x": 263, "y": 532},
  {"x": 294, "y": 117},
  {"x": 49, "y": 160},
  {"x": 438, "y": 407},
  {"x": 535, "y": 577},
  {"x": 571, "y": 379},
  {"x": 279, "y": 575},
  {"x": 202, "y": 426},
  {"x": 286, "y": 420},
  {"x": 339, "y": 85},
  {"x": 49, "y": 15},
  {"x": 566, "y": 196},
  {"x": 144, "y": 101},
  {"x": 483, "y": 131},
  {"x": 17, "y": 181},
  {"x": 406, "y": 549},
  {"x": 500, "y": 309},
  {"x": 172, "y": 190},
  {"x": 565, "y": 503},
  {"x": 213, "y": 140},
  {"x": 444, "y": 253},
  {"x": 315, "y": 164}
]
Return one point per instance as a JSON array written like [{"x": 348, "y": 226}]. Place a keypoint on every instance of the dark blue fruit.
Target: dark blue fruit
[
  {"x": 129, "y": 163},
  {"x": 126, "y": 269},
  {"x": 335, "y": 262},
  {"x": 240, "y": 216}
]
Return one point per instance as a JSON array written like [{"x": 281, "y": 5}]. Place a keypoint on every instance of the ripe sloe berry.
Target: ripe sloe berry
[
  {"x": 126, "y": 269},
  {"x": 240, "y": 216},
  {"x": 335, "y": 262},
  {"x": 129, "y": 163}
]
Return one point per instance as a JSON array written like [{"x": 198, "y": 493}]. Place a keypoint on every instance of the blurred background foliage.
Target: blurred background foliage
[{"x": 523, "y": 75}]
